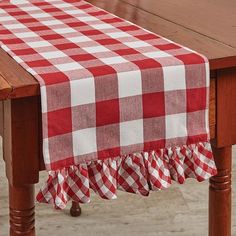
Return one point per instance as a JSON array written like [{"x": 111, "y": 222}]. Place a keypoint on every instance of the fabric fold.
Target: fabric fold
[{"x": 137, "y": 173}]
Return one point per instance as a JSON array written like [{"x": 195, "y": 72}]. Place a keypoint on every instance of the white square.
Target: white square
[
  {"x": 87, "y": 18},
  {"x": 82, "y": 91},
  {"x": 207, "y": 121},
  {"x": 207, "y": 66},
  {"x": 31, "y": 71},
  {"x": 62, "y": 5},
  {"x": 53, "y": 54},
  {"x": 156, "y": 54},
  {"x": 18, "y": 1},
  {"x": 69, "y": 66},
  {"x": 6, "y": 18},
  {"x": 174, "y": 77},
  {"x": 73, "y": 12},
  {"x": 79, "y": 39},
  {"x": 117, "y": 35},
  {"x": 26, "y": 35},
  {"x": 39, "y": 15},
  {"x": 18, "y": 59},
  {"x": 137, "y": 44},
  {"x": 51, "y": 22},
  {"x": 31, "y": 8},
  {"x": 130, "y": 83},
  {"x": 64, "y": 30},
  {"x": 46, "y": 155},
  {"x": 39, "y": 44},
  {"x": 113, "y": 60},
  {"x": 103, "y": 26},
  {"x": 176, "y": 125},
  {"x": 96, "y": 49},
  {"x": 84, "y": 141},
  {"x": 15, "y": 26},
  {"x": 5, "y": 48},
  {"x": 131, "y": 132},
  {"x": 43, "y": 91}
]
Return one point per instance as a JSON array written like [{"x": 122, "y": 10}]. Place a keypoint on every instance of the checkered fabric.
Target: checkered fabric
[
  {"x": 117, "y": 100},
  {"x": 137, "y": 173}
]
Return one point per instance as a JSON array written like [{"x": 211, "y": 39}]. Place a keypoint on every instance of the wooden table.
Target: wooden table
[{"x": 208, "y": 27}]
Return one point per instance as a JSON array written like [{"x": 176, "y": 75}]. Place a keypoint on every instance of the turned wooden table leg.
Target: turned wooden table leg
[
  {"x": 21, "y": 155},
  {"x": 220, "y": 194},
  {"x": 21, "y": 204},
  {"x": 75, "y": 209}
]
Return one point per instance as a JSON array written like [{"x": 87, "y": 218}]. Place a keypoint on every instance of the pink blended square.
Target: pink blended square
[
  {"x": 131, "y": 108},
  {"x": 108, "y": 137},
  {"x": 84, "y": 116}
]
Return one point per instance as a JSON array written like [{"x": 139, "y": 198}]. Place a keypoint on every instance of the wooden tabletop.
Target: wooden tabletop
[{"x": 208, "y": 27}]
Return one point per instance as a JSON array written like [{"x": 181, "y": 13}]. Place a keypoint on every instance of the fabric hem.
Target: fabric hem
[{"x": 138, "y": 173}]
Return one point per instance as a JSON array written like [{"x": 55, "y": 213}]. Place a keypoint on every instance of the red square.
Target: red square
[
  {"x": 147, "y": 64},
  {"x": 63, "y": 17},
  {"x": 107, "y": 112},
  {"x": 196, "y": 99},
  {"x": 107, "y": 41},
  {"x": 98, "y": 13},
  {"x": 113, "y": 20},
  {"x": 76, "y": 24},
  {"x": 153, "y": 105},
  {"x": 168, "y": 46},
  {"x": 129, "y": 28},
  {"x": 60, "y": 122},
  {"x": 85, "y": 6},
  {"x": 41, "y": 3},
  {"x": 154, "y": 145},
  {"x": 54, "y": 78},
  {"x": 83, "y": 57},
  {"x": 39, "y": 28},
  {"x": 66, "y": 46},
  {"x": 28, "y": 20},
  {"x": 91, "y": 32},
  {"x": 7, "y": 6},
  {"x": 109, "y": 153},
  {"x": 5, "y": 31},
  {"x": 101, "y": 70},
  {"x": 127, "y": 51},
  {"x": 52, "y": 36},
  {"x": 147, "y": 36},
  {"x": 38, "y": 63},
  {"x": 191, "y": 58},
  {"x": 27, "y": 51},
  {"x": 53, "y": 9},
  {"x": 12, "y": 41},
  {"x": 18, "y": 13}
]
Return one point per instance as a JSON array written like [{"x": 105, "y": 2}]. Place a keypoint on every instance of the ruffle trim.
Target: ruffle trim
[{"x": 136, "y": 173}]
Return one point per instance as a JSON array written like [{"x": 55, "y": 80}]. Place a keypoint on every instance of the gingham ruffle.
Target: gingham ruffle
[{"x": 136, "y": 173}]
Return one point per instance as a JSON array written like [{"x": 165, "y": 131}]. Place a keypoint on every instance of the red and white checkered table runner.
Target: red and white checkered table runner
[{"x": 122, "y": 108}]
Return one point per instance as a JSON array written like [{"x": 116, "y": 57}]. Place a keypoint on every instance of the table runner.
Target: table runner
[{"x": 122, "y": 108}]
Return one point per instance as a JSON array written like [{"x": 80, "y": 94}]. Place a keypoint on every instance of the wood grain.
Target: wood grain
[
  {"x": 21, "y": 140},
  {"x": 219, "y": 54},
  {"x": 15, "y": 79},
  {"x": 191, "y": 14},
  {"x": 212, "y": 108},
  {"x": 226, "y": 110},
  {"x": 5, "y": 89},
  {"x": 1, "y": 118}
]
